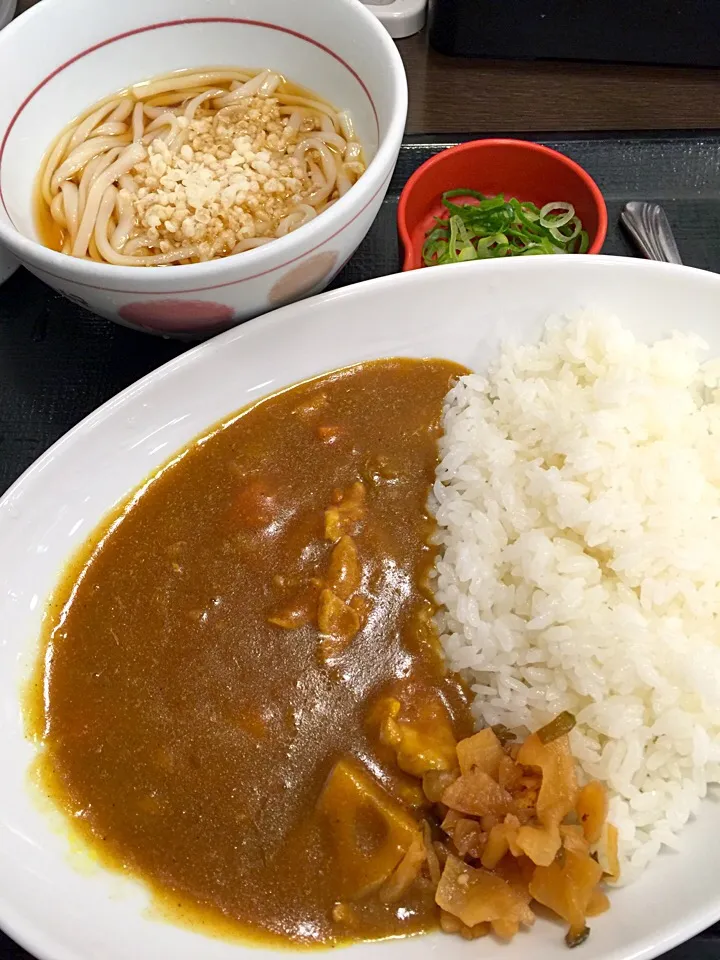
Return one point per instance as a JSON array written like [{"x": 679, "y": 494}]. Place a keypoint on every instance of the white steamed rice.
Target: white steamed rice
[{"x": 578, "y": 503}]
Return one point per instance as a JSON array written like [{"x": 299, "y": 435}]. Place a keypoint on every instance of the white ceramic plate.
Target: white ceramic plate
[{"x": 60, "y": 913}]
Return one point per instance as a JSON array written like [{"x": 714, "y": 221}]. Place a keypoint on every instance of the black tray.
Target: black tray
[{"x": 58, "y": 362}]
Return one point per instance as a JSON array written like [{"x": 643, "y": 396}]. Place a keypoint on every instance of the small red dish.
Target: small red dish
[{"x": 515, "y": 168}]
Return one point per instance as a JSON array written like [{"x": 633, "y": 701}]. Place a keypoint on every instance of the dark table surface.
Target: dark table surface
[
  {"x": 58, "y": 363},
  {"x": 452, "y": 95},
  {"x": 448, "y": 95}
]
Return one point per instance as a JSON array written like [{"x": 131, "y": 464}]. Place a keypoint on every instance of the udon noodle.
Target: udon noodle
[{"x": 192, "y": 166}]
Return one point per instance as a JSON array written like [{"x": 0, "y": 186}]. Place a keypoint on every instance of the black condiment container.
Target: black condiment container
[{"x": 678, "y": 32}]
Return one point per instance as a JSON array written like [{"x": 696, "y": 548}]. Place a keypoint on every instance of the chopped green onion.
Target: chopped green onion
[
  {"x": 449, "y": 194},
  {"x": 481, "y": 227},
  {"x": 561, "y": 725},
  {"x": 503, "y": 733},
  {"x": 557, "y": 234},
  {"x": 568, "y": 212},
  {"x": 575, "y": 937}
]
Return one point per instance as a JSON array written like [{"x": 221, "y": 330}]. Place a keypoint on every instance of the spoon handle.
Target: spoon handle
[{"x": 648, "y": 225}]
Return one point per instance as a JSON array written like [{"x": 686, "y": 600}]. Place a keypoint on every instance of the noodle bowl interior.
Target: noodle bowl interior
[{"x": 192, "y": 166}]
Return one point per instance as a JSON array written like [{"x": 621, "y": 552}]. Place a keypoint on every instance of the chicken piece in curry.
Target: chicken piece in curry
[{"x": 243, "y": 685}]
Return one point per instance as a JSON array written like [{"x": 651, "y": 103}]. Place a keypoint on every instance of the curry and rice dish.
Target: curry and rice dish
[
  {"x": 242, "y": 672},
  {"x": 192, "y": 166},
  {"x": 444, "y": 642}
]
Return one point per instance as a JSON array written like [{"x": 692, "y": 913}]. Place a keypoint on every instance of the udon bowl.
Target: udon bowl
[{"x": 65, "y": 55}]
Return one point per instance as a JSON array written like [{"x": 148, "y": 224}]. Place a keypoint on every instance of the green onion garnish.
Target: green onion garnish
[
  {"x": 561, "y": 725},
  {"x": 484, "y": 227}
]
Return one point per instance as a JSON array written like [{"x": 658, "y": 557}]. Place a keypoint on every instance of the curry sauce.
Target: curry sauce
[{"x": 243, "y": 682}]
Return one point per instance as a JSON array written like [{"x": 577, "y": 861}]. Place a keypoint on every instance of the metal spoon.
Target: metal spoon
[{"x": 649, "y": 227}]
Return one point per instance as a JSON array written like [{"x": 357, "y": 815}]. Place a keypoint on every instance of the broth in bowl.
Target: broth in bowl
[{"x": 193, "y": 166}]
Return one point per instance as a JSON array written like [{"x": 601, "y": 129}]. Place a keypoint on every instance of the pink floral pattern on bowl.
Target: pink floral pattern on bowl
[
  {"x": 309, "y": 276},
  {"x": 178, "y": 316}
]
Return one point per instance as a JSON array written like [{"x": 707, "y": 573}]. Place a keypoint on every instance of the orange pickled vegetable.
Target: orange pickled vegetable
[
  {"x": 558, "y": 792},
  {"x": 469, "y": 838},
  {"x": 541, "y": 844},
  {"x": 592, "y": 809},
  {"x": 452, "y": 818},
  {"x": 431, "y": 854},
  {"x": 509, "y": 773},
  {"x": 496, "y": 847},
  {"x": 483, "y": 751},
  {"x": 478, "y": 794},
  {"x": 611, "y": 852},
  {"x": 505, "y": 929},
  {"x": 478, "y": 896},
  {"x": 436, "y": 782},
  {"x": 518, "y": 871},
  {"x": 573, "y": 838},
  {"x": 406, "y": 872},
  {"x": 501, "y": 839},
  {"x": 599, "y": 903},
  {"x": 567, "y": 886},
  {"x": 506, "y": 812},
  {"x": 450, "y": 924}
]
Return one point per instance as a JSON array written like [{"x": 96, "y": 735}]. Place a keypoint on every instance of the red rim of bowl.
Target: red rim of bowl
[{"x": 598, "y": 199}]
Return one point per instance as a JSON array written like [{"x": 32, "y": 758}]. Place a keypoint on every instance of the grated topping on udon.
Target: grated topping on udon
[
  {"x": 234, "y": 179},
  {"x": 194, "y": 166}
]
